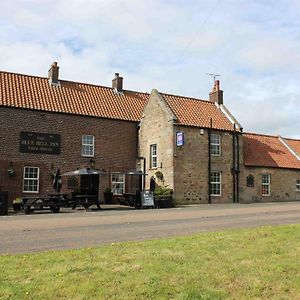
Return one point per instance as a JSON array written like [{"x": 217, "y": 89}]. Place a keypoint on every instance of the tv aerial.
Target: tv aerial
[{"x": 213, "y": 75}]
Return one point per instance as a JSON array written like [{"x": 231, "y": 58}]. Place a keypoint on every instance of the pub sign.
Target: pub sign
[
  {"x": 179, "y": 138},
  {"x": 41, "y": 143}
]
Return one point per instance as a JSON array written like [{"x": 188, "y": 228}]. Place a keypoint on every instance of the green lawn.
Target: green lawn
[{"x": 261, "y": 263}]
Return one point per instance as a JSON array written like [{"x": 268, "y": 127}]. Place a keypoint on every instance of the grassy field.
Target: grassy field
[{"x": 261, "y": 263}]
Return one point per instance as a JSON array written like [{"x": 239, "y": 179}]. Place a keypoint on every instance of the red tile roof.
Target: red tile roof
[
  {"x": 267, "y": 151},
  {"x": 32, "y": 92},
  {"x": 294, "y": 144},
  {"x": 195, "y": 112}
]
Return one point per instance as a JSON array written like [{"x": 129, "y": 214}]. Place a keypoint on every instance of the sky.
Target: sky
[{"x": 170, "y": 46}]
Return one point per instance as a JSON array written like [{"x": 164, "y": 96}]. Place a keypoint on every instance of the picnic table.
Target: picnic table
[
  {"x": 51, "y": 202},
  {"x": 86, "y": 201}
]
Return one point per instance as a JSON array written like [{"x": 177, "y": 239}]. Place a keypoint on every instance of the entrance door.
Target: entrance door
[{"x": 89, "y": 184}]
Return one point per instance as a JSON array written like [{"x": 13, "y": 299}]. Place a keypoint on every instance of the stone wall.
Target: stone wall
[
  {"x": 157, "y": 128},
  {"x": 191, "y": 167},
  {"x": 283, "y": 185}
]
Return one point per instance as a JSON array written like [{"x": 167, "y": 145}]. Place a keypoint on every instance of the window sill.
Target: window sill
[
  {"x": 215, "y": 195},
  {"x": 87, "y": 155}
]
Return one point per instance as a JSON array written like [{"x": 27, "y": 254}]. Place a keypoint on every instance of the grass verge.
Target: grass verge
[{"x": 260, "y": 263}]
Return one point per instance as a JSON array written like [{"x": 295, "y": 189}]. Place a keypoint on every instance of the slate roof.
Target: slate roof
[
  {"x": 269, "y": 151},
  {"x": 32, "y": 92}
]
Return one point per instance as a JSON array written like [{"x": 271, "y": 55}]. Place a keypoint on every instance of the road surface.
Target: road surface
[{"x": 69, "y": 229}]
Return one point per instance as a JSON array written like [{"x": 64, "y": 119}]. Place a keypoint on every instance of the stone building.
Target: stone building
[
  {"x": 271, "y": 169},
  {"x": 193, "y": 146}
]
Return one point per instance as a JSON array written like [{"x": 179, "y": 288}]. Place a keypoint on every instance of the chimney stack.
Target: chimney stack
[
  {"x": 216, "y": 95},
  {"x": 53, "y": 74},
  {"x": 117, "y": 83}
]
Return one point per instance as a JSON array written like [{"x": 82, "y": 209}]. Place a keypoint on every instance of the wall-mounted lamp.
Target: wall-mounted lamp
[
  {"x": 92, "y": 163},
  {"x": 11, "y": 171}
]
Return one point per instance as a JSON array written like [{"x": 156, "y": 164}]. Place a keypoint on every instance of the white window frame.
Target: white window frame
[
  {"x": 215, "y": 144},
  {"x": 153, "y": 156},
  {"x": 37, "y": 179},
  {"x": 219, "y": 183},
  {"x": 298, "y": 185},
  {"x": 85, "y": 145},
  {"x": 113, "y": 189},
  {"x": 266, "y": 184}
]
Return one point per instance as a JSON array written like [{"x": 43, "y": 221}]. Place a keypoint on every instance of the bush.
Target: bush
[{"x": 163, "y": 196}]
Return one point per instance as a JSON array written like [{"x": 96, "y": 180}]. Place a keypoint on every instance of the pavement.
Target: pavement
[{"x": 78, "y": 229}]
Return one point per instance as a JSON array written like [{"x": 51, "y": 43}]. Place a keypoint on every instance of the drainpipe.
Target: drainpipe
[
  {"x": 238, "y": 169},
  {"x": 140, "y": 157},
  {"x": 233, "y": 165},
  {"x": 144, "y": 170},
  {"x": 209, "y": 162}
]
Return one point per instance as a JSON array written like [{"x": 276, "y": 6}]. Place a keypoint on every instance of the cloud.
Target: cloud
[{"x": 168, "y": 45}]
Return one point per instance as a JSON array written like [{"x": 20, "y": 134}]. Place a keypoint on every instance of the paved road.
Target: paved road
[{"x": 40, "y": 232}]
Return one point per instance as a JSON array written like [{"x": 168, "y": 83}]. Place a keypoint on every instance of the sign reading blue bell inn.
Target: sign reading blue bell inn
[
  {"x": 179, "y": 138},
  {"x": 41, "y": 143}
]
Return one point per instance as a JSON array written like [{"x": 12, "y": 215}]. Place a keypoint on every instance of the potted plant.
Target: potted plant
[
  {"x": 163, "y": 196},
  {"x": 108, "y": 195}
]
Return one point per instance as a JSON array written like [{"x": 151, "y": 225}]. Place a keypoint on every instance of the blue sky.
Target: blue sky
[{"x": 168, "y": 45}]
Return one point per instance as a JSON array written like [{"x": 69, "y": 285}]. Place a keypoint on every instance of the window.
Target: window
[
  {"x": 72, "y": 182},
  {"x": 87, "y": 145},
  {"x": 153, "y": 156},
  {"x": 266, "y": 185},
  {"x": 215, "y": 144},
  {"x": 215, "y": 184},
  {"x": 298, "y": 185},
  {"x": 117, "y": 183},
  {"x": 250, "y": 180},
  {"x": 31, "y": 179}
]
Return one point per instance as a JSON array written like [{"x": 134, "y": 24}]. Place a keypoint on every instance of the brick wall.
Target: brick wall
[
  {"x": 283, "y": 185},
  {"x": 115, "y": 146}
]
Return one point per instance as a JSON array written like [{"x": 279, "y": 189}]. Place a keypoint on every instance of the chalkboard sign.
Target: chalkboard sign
[{"x": 147, "y": 198}]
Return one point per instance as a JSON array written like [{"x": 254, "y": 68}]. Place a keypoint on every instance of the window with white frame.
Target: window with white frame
[
  {"x": 88, "y": 145},
  {"x": 266, "y": 184},
  {"x": 215, "y": 144},
  {"x": 215, "y": 183},
  {"x": 298, "y": 185},
  {"x": 31, "y": 179},
  {"x": 117, "y": 183},
  {"x": 153, "y": 156}
]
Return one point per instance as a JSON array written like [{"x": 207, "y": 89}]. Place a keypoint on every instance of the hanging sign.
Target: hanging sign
[{"x": 179, "y": 138}]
